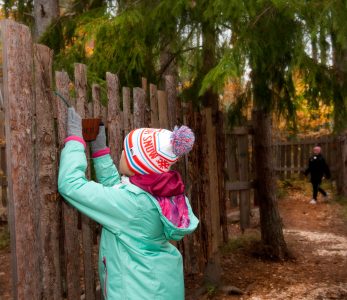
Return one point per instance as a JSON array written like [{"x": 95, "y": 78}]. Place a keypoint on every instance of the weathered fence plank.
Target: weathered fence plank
[
  {"x": 70, "y": 220},
  {"x": 213, "y": 183},
  {"x": 153, "y": 95},
  {"x": 46, "y": 157},
  {"x": 171, "y": 93},
  {"x": 96, "y": 96},
  {"x": 245, "y": 205},
  {"x": 114, "y": 120},
  {"x": 127, "y": 116},
  {"x": 19, "y": 117},
  {"x": 162, "y": 110},
  {"x": 139, "y": 108},
  {"x": 87, "y": 232}
]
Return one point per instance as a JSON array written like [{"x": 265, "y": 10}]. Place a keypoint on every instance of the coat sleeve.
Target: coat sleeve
[
  {"x": 113, "y": 208},
  {"x": 106, "y": 171}
]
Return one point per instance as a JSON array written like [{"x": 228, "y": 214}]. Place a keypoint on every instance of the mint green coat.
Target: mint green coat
[{"x": 136, "y": 259}]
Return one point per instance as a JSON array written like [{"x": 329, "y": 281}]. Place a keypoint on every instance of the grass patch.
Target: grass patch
[
  {"x": 242, "y": 242},
  {"x": 342, "y": 201},
  {"x": 4, "y": 237},
  {"x": 296, "y": 183},
  {"x": 211, "y": 290}
]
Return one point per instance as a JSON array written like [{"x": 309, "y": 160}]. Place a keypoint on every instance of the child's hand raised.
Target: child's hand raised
[
  {"x": 100, "y": 142},
  {"x": 74, "y": 123}
]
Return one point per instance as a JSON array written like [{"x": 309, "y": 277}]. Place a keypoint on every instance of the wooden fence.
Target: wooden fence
[
  {"x": 54, "y": 248},
  {"x": 239, "y": 184},
  {"x": 291, "y": 157}
]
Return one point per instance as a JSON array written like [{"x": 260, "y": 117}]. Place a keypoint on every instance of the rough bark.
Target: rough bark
[
  {"x": 17, "y": 54},
  {"x": 270, "y": 220},
  {"x": 45, "y": 11}
]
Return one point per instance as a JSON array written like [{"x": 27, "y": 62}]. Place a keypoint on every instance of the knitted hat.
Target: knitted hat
[
  {"x": 317, "y": 149},
  {"x": 149, "y": 151}
]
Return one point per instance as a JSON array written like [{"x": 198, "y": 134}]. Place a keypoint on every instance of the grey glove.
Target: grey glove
[
  {"x": 74, "y": 123},
  {"x": 100, "y": 142}
]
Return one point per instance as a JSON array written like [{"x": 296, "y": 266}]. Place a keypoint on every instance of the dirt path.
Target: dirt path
[{"x": 317, "y": 235}]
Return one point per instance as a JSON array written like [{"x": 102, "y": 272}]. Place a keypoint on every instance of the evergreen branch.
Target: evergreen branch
[
  {"x": 172, "y": 58},
  {"x": 260, "y": 15}
]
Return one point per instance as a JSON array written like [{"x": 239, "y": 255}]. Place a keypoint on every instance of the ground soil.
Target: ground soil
[{"x": 316, "y": 234}]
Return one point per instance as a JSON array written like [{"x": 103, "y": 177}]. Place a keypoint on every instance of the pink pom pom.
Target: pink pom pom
[{"x": 182, "y": 139}]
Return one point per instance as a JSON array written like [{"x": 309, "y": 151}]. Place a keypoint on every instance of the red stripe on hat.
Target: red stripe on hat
[{"x": 142, "y": 166}]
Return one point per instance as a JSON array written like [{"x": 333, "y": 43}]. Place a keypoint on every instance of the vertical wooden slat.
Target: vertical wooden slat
[
  {"x": 283, "y": 161},
  {"x": 196, "y": 258},
  {"x": 127, "y": 116},
  {"x": 302, "y": 160},
  {"x": 162, "y": 110},
  {"x": 19, "y": 123},
  {"x": 245, "y": 208},
  {"x": 139, "y": 107},
  {"x": 295, "y": 157},
  {"x": 71, "y": 238},
  {"x": 3, "y": 160},
  {"x": 46, "y": 157},
  {"x": 87, "y": 232},
  {"x": 213, "y": 181},
  {"x": 171, "y": 92},
  {"x": 232, "y": 170},
  {"x": 288, "y": 160},
  {"x": 114, "y": 120},
  {"x": 153, "y": 94},
  {"x": 96, "y": 95},
  {"x": 144, "y": 84}
]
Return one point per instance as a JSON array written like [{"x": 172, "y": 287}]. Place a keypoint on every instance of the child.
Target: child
[
  {"x": 318, "y": 168},
  {"x": 139, "y": 213}
]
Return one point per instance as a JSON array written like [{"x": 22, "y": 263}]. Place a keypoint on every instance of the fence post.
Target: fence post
[
  {"x": 211, "y": 198},
  {"x": 162, "y": 110},
  {"x": 87, "y": 233},
  {"x": 127, "y": 116},
  {"x": 50, "y": 204},
  {"x": 19, "y": 125},
  {"x": 171, "y": 93},
  {"x": 139, "y": 107},
  {"x": 114, "y": 121},
  {"x": 245, "y": 203},
  {"x": 71, "y": 238},
  {"x": 153, "y": 96},
  {"x": 96, "y": 95}
]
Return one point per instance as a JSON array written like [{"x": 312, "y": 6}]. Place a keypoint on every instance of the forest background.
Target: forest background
[
  {"x": 284, "y": 60},
  {"x": 208, "y": 46}
]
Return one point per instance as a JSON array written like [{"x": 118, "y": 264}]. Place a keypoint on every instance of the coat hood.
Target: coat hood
[{"x": 174, "y": 208}]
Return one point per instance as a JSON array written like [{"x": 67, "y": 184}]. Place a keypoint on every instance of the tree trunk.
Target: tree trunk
[
  {"x": 45, "y": 12},
  {"x": 270, "y": 221},
  {"x": 340, "y": 73}
]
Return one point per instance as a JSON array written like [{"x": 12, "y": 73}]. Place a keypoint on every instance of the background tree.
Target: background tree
[{"x": 45, "y": 11}]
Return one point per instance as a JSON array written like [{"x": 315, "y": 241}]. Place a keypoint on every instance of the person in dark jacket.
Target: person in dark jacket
[{"x": 317, "y": 168}]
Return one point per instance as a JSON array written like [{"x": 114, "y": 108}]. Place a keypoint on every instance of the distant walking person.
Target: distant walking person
[{"x": 317, "y": 168}]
